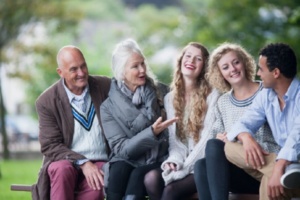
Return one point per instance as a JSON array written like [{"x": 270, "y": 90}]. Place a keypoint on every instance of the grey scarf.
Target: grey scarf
[{"x": 138, "y": 97}]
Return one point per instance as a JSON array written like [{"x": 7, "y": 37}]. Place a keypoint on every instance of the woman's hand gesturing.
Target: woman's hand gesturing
[{"x": 159, "y": 125}]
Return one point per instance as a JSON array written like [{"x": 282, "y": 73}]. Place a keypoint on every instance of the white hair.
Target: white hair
[{"x": 120, "y": 55}]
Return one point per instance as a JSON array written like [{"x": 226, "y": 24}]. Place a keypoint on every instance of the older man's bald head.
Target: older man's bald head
[
  {"x": 65, "y": 52},
  {"x": 72, "y": 68}
]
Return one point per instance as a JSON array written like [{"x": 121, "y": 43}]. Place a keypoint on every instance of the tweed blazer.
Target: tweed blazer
[{"x": 56, "y": 127}]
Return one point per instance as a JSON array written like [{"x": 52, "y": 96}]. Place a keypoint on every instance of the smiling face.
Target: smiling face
[
  {"x": 232, "y": 68},
  {"x": 135, "y": 71},
  {"x": 264, "y": 73},
  {"x": 192, "y": 62},
  {"x": 73, "y": 68}
]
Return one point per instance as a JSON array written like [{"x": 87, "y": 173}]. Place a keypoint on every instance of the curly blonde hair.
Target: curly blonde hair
[
  {"x": 214, "y": 75},
  {"x": 198, "y": 98}
]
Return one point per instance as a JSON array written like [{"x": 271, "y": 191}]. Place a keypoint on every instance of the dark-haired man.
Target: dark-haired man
[{"x": 279, "y": 105}]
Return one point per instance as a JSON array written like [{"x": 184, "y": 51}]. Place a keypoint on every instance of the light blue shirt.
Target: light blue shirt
[
  {"x": 79, "y": 100},
  {"x": 285, "y": 123}
]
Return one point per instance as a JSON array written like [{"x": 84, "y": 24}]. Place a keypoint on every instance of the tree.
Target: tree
[
  {"x": 251, "y": 23},
  {"x": 15, "y": 16},
  {"x": 211, "y": 22}
]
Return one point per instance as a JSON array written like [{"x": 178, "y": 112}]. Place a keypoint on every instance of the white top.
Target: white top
[{"x": 181, "y": 154}]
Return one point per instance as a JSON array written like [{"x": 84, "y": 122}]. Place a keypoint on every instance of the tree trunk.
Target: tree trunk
[{"x": 3, "y": 125}]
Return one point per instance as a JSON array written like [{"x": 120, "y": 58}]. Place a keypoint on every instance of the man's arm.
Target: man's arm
[
  {"x": 252, "y": 119},
  {"x": 291, "y": 148},
  {"x": 247, "y": 126},
  {"x": 254, "y": 154},
  {"x": 275, "y": 189}
]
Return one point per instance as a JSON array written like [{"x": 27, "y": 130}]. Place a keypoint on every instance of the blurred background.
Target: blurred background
[{"x": 32, "y": 31}]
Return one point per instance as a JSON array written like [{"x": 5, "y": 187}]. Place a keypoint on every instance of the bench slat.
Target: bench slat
[
  {"x": 17, "y": 187},
  {"x": 233, "y": 197}
]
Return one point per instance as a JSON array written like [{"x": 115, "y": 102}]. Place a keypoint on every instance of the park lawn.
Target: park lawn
[{"x": 17, "y": 172}]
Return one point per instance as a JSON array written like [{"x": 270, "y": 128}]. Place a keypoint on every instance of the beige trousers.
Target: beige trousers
[{"x": 235, "y": 154}]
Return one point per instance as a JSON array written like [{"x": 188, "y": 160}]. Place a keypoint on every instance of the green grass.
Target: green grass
[{"x": 17, "y": 172}]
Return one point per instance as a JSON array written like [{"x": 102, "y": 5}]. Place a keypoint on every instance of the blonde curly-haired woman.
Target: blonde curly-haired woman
[{"x": 231, "y": 70}]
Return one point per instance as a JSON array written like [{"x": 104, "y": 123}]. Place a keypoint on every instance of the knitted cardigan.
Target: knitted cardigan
[{"x": 178, "y": 151}]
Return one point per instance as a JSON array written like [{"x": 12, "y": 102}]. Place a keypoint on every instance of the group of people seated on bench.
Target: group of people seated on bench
[{"x": 213, "y": 131}]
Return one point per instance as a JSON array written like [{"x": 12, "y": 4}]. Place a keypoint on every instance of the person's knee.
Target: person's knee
[
  {"x": 215, "y": 143},
  {"x": 235, "y": 154},
  {"x": 214, "y": 146},
  {"x": 62, "y": 168},
  {"x": 200, "y": 166},
  {"x": 228, "y": 149},
  {"x": 151, "y": 178},
  {"x": 120, "y": 167}
]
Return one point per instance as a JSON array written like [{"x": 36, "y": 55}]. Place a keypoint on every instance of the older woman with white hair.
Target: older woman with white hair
[{"x": 132, "y": 118}]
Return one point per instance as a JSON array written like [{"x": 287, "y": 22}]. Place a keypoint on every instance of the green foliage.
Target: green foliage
[
  {"x": 102, "y": 24},
  {"x": 249, "y": 23},
  {"x": 16, "y": 14},
  {"x": 18, "y": 172},
  {"x": 34, "y": 60},
  {"x": 11, "y": 21},
  {"x": 163, "y": 73},
  {"x": 99, "y": 10},
  {"x": 156, "y": 28}
]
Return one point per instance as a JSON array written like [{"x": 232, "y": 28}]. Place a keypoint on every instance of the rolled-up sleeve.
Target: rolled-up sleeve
[{"x": 291, "y": 148}]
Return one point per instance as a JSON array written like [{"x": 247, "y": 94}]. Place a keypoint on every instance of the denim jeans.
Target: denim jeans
[{"x": 215, "y": 176}]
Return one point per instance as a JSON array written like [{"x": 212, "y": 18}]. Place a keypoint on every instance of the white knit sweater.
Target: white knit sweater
[{"x": 178, "y": 151}]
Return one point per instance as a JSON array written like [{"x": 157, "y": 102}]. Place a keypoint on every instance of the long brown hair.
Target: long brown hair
[{"x": 198, "y": 98}]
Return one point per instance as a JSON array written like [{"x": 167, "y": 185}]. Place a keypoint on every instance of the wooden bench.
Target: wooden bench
[
  {"x": 28, "y": 188},
  {"x": 233, "y": 197},
  {"x": 238, "y": 197},
  {"x": 24, "y": 188}
]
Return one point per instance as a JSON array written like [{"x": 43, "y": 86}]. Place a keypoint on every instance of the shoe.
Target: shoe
[{"x": 291, "y": 178}]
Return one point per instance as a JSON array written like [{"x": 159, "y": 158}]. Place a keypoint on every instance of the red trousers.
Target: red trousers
[{"x": 65, "y": 179}]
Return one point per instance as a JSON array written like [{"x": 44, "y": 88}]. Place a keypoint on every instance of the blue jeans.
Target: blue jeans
[{"x": 215, "y": 176}]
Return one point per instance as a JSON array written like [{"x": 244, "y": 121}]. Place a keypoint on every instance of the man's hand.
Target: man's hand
[
  {"x": 275, "y": 189},
  {"x": 254, "y": 153},
  {"x": 93, "y": 175},
  {"x": 159, "y": 125}
]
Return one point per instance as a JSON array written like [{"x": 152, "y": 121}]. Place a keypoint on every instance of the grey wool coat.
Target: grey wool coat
[
  {"x": 129, "y": 130},
  {"x": 56, "y": 124}
]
